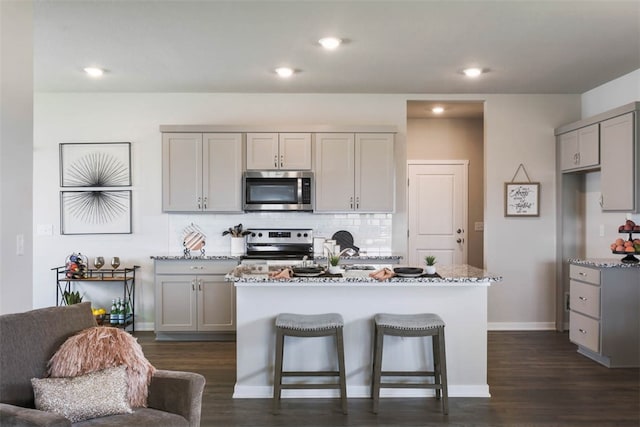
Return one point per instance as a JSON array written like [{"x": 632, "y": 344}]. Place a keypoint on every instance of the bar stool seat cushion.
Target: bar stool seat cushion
[
  {"x": 409, "y": 321},
  {"x": 309, "y": 322}
]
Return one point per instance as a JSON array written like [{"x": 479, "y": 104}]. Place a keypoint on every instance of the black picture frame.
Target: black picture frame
[
  {"x": 95, "y": 164},
  {"x": 95, "y": 212}
]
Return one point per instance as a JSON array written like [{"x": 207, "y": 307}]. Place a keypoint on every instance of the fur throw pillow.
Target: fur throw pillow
[{"x": 100, "y": 347}]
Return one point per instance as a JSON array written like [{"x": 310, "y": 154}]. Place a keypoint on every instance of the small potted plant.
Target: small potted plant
[
  {"x": 334, "y": 260},
  {"x": 237, "y": 239},
  {"x": 431, "y": 264}
]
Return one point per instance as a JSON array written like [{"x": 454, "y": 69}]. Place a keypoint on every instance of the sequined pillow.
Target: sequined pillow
[{"x": 97, "y": 394}]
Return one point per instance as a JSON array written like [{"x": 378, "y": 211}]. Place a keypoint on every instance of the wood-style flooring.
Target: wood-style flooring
[{"x": 535, "y": 379}]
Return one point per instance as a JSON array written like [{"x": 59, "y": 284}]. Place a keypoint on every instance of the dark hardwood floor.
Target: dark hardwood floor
[{"x": 535, "y": 379}]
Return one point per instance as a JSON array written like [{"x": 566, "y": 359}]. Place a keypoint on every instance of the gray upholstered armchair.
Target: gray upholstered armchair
[{"x": 27, "y": 342}]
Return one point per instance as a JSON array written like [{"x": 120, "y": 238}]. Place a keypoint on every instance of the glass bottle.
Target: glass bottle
[
  {"x": 120, "y": 312},
  {"x": 113, "y": 316}
]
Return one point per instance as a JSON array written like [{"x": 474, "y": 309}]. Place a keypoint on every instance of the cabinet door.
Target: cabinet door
[
  {"x": 216, "y": 304},
  {"x": 568, "y": 150},
  {"x": 262, "y": 151},
  {"x": 618, "y": 164},
  {"x": 222, "y": 172},
  {"x": 589, "y": 146},
  {"x": 295, "y": 151},
  {"x": 175, "y": 300},
  {"x": 374, "y": 173},
  {"x": 181, "y": 172},
  {"x": 335, "y": 169}
]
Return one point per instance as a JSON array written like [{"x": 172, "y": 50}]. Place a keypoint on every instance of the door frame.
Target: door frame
[{"x": 465, "y": 195}]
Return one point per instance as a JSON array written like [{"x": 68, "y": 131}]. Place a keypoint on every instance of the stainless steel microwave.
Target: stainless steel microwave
[{"x": 278, "y": 191}]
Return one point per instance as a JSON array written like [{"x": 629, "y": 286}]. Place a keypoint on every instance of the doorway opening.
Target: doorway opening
[{"x": 457, "y": 133}]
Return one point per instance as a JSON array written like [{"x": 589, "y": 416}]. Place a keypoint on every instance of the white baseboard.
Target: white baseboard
[
  {"x": 144, "y": 326},
  {"x": 521, "y": 326},
  {"x": 266, "y": 392}
]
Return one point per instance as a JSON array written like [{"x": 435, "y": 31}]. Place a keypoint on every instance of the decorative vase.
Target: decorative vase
[
  {"x": 334, "y": 269},
  {"x": 237, "y": 245},
  {"x": 430, "y": 269}
]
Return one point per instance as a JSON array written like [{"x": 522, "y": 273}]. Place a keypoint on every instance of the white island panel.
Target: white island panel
[{"x": 463, "y": 307}]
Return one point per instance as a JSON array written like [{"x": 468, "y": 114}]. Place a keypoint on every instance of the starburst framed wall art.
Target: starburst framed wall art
[
  {"x": 97, "y": 204},
  {"x": 100, "y": 164},
  {"x": 95, "y": 212}
]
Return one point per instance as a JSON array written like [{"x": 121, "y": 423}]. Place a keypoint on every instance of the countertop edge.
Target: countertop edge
[{"x": 603, "y": 263}]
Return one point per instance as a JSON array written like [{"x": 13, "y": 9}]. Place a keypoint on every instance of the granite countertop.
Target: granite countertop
[
  {"x": 604, "y": 262},
  {"x": 457, "y": 274},
  {"x": 219, "y": 257},
  {"x": 368, "y": 257}
]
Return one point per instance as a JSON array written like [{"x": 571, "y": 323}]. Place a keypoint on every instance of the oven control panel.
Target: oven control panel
[{"x": 302, "y": 236}]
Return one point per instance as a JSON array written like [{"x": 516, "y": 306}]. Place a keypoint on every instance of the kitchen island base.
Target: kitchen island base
[{"x": 462, "y": 306}]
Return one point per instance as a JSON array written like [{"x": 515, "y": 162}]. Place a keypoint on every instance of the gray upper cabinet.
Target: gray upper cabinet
[
  {"x": 278, "y": 151},
  {"x": 580, "y": 149},
  {"x": 202, "y": 172},
  {"x": 354, "y": 172},
  {"x": 619, "y": 163}
]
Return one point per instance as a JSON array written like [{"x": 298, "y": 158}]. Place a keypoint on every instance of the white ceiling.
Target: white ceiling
[{"x": 392, "y": 46}]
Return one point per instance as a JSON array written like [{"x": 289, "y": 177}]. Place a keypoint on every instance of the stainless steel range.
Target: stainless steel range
[{"x": 280, "y": 244}]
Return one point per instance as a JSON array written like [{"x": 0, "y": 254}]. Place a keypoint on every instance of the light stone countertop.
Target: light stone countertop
[
  {"x": 213, "y": 257},
  {"x": 450, "y": 275},
  {"x": 604, "y": 262}
]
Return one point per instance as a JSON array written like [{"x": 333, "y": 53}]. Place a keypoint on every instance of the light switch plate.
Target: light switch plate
[{"x": 478, "y": 226}]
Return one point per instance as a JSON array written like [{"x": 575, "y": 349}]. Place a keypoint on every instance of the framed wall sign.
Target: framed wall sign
[
  {"x": 95, "y": 164},
  {"x": 522, "y": 199}
]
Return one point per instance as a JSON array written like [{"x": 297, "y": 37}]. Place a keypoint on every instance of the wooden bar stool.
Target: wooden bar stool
[
  {"x": 309, "y": 325},
  {"x": 410, "y": 325}
]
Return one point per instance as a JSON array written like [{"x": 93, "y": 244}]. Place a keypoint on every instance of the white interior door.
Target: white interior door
[{"x": 437, "y": 207}]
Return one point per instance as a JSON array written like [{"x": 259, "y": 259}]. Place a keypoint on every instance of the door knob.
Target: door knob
[
  {"x": 459, "y": 230},
  {"x": 459, "y": 240}
]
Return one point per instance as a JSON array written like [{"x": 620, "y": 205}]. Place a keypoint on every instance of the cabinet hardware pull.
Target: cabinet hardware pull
[
  {"x": 351, "y": 202},
  {"x": 582, "y": 331},
  {"x": 582, "y": 298},
  {"x": 197, "y": 267},
  {"x": 275, "y": 161},
  {"x": 193, "y": 285},
  {"x": 582, "y": 274},
  {"x": 205, "y": 203},
  {"x": 282, "y": 161},
  {"x": 357, "y": 202},
  {"x": 199, "y": 199},
  {"x": 200, "y": 285}
]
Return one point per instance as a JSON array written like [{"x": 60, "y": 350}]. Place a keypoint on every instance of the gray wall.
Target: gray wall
[{"x": 16, "y": 155}]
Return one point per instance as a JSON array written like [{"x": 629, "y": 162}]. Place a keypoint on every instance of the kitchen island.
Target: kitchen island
[{"x": 459, "y": 296}]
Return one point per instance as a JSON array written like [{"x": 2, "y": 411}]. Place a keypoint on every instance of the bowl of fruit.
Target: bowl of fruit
[
  {"x": 99, "y": 314},
  {"x": 629, "y": 246}
]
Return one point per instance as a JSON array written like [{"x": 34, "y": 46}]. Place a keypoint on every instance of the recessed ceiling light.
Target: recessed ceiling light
[
  {"x": 330, "y": 43},
  {"x": 437, "y": 110},
  {"x": 472, "y": 72},
  {"x": 94, "y": 72},
  {"x": 284, "y": 72}
]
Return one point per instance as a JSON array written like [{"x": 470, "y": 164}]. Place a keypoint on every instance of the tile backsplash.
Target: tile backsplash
[{"x": 371, "y": 232}]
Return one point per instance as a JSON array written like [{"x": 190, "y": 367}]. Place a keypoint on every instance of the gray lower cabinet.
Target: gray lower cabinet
[
  {"x": 603, "y": 319},
  {"x": 192, "y": 297}
]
